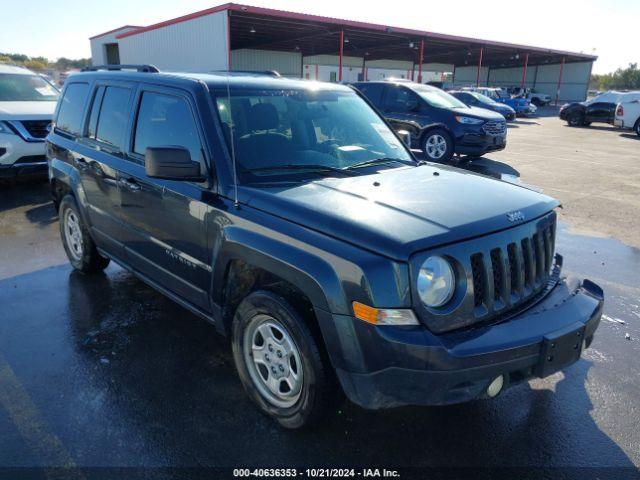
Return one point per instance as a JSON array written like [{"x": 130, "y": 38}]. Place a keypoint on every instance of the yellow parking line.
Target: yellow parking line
[{"x": 56, "y": 460}]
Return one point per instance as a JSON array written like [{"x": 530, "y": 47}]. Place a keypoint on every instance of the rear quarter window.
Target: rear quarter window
[{"x": 71, "y": 109}]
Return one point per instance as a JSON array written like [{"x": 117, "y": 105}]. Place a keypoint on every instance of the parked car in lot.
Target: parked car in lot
[
  {"x": 475, "y": 99},
  {"x": 27, "y": 102},
  {"x": 534, "y": 96},
  {"x": 628, "y": 112},
  {"x": 438, "y": 123},
  {"x": 522, "y": 106},
  {"x": 289, "y": 215},
  {"x": 600, "y": 109}
]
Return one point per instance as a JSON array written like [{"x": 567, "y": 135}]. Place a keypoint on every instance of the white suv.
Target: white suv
[
  {"x": 27, "y": 102},
  {"x": 628, "y": 112}
]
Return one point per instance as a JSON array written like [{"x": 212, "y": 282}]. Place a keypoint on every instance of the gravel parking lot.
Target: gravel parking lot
[{"x": 103, "y": 372}]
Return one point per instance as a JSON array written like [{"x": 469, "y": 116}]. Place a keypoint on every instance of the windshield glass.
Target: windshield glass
[
  {"x": 437, "y": 98},
  {"x": 281, "y": 132},
  {"x": 26, "y": 88},
  {"x": 483, "y": 98}
]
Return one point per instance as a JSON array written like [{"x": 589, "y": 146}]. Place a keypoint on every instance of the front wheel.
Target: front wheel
[
  {"x": 279, "y": 361},
  {"x": 437, "y": 145},
  {"x": 637, "y": 127},
  {"x": 575, "y": 120},
  {"x": 78, "y": 244}
]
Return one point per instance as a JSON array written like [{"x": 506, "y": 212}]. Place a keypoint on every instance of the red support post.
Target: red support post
[
  {"x": 479, "y": 67},
  {"x": 559, "y": 81},
  {"x": 341, "y": 54},
  {"x": 524, "y": 70},
  {"x": 420, "y": 58},
  {"x": 228, "y": 41}
]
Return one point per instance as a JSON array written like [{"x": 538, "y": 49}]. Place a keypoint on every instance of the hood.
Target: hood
[
  {"x": 478, "y": 112},
  {"x": 410, "y": 209},
  {"x": 503, "y": 107},
  {"x": 26, "y": 110}
]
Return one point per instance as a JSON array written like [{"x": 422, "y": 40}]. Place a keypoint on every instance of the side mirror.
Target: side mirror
[
  {"x": 171, "y": 163},
  {"x": 405, "y": 137}
]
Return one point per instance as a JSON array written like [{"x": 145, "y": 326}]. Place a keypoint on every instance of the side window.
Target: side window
[
  {"x": 399, "y": 98},
  {"x": 95, "y": 110},
  {"x": 166, "y": 120},
  {"x": 72, "y": 108},
  {"x": 373, "y": 91},
  {"x": 113, "y": 116}
]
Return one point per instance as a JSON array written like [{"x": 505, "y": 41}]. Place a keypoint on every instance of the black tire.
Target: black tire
[
  {"x": 78, "y": 244},
  {"x": 537, "y": 102},
  {"x": 575, "y": 120},
  {"x": 431, "y": 153},
  {"x": 637, "y": 127},
  {"x": 318, "y": 389}
]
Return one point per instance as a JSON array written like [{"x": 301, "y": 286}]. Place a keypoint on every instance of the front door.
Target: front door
[
  {"x": 166, "y": 237},
  {"x": 600, "y": 112},
  {"x": 405, "y": 110}
]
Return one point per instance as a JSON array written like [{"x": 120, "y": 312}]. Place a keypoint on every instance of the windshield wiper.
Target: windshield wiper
[
  {"x": 380, "y": 161},
  {"x": 309, "y": 167}
]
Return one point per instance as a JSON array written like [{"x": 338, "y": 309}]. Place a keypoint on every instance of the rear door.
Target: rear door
[
  {"x": 165, "y": 220},
  {"x": 103, "y": 140}
]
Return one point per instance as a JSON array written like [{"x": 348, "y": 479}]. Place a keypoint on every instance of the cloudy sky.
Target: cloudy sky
[{"x": 605, "y": 27}]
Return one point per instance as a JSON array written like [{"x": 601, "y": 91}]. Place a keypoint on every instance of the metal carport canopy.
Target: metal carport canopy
[
  {"x": 264, "y": 28},
  {"x": 270, "y": 29}
]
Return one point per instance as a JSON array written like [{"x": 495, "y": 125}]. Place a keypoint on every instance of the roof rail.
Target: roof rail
[
  {"x": 271, "y": 73},
  {"x": 137, "y": 68}
]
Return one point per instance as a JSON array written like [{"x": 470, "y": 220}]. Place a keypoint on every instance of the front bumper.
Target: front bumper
[
  {"x": 480, "y": 143},
  {"x": 20, "y": 158},
  {"x": 383, "y": 367}
]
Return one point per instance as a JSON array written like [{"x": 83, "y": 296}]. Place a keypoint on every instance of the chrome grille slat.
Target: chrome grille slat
[{"x": 495, "y": 127}]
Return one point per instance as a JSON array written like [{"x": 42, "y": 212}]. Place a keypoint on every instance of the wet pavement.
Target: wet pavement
[{"x": 102, "y": 371}]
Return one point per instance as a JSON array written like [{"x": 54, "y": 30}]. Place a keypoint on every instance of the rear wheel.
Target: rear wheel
[
  {"x": 637, "y": 127},
  {"x": 78, "y": 244},
  {"x": 279, "y": 361},
  {"x": 437, "y": 145}
]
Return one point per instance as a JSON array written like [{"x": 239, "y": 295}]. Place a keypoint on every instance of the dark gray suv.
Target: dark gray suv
[{"x": 289, "y": 215}]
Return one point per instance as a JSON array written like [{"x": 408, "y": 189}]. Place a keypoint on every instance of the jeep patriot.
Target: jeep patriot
[{"x": 289, "y": 215}]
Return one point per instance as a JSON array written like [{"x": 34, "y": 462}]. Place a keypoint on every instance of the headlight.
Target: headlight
[
  {"x": 436, "y": 282},
  {"x": 4, "y": 128},
  {"x": 469, "y": 120}
]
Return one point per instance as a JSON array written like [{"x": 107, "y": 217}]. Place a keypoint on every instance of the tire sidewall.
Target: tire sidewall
[
  {"x": 91, "y": 259},
  {"x": 637, "y": 127},
  {"x": 270, "y": 304},
  {"x": 578, "y": 120},
  {"x": 450, "y": 148}
]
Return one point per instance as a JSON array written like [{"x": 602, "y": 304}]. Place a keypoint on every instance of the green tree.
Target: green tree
[{"x": 622, "y": 79}]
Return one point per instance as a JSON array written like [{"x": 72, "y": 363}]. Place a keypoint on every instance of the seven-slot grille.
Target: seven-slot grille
[
  {"x": 510, "y": 274},
  {"x": 36, "y": 128},
  {"x": 495, "y": 127}
]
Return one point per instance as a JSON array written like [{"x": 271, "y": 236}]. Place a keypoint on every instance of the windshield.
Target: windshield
[
  {"x": 437, "y": 98},
  {"x": 483, "y": 98},
  {"x": 26, "y": 88},
  {"x": 302, "y": 132}
]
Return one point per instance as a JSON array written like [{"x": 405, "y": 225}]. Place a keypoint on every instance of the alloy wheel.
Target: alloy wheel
[{"x": 435, "y": 146}]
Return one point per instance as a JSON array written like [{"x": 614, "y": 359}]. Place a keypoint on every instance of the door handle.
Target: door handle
[{"x": 130, "y": 184}]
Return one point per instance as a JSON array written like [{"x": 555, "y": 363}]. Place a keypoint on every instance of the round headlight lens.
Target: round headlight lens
[{"x": 436, "y": 282}]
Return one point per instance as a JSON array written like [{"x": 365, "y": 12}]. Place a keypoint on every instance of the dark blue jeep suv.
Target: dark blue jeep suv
[
  {"x": 439, "y": 124},
  {"x": 290, "y": 215}
]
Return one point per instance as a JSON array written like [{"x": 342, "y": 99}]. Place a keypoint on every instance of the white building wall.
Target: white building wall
[
  {"x": 321, "y": 67},
  {"x": 197, "y": 45},
  {"x": 286, "y": 63},
  {"x": 575, "y": 80},
  {"x": 466, "y": 76},
  {"x": 98, "y": 50}
]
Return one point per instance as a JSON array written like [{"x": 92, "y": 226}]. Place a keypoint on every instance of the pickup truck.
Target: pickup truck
[
  {"x": 290, "y": 216},
  {"x": 520, "y": 105}
]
